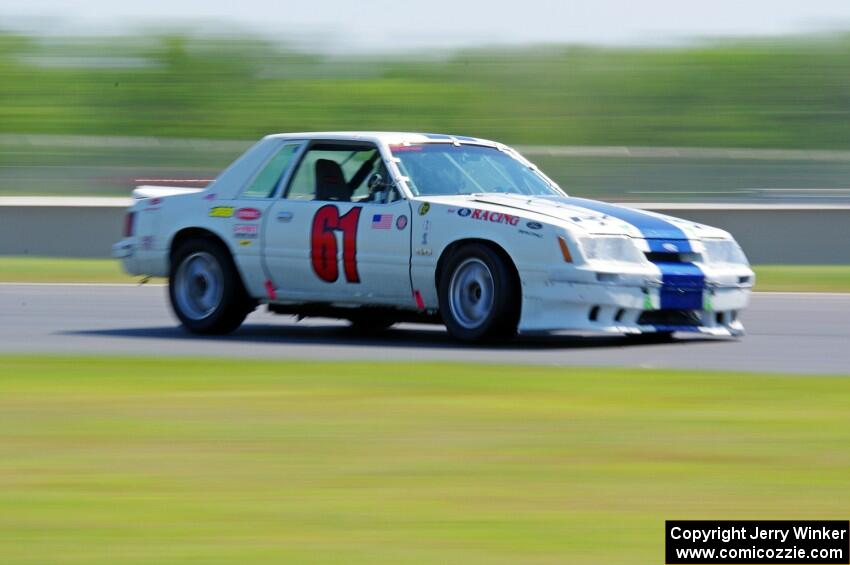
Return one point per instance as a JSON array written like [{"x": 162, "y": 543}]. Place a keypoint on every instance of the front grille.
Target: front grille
[
  {"x": 662, "y": 257},
  {"x": 669, "y": 318},
  {"x": 665, "y": 257}
]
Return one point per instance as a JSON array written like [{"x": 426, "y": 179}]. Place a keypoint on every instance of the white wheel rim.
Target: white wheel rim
[
  {"x": 471, "y": 293},
  {"x": 199, "y": 285}
]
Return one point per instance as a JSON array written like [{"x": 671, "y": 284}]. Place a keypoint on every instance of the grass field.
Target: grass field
[
  {"x": 51, "y": 269},
  {"x": 815, "y": 278},
  {"x": 116, "y": 460}
]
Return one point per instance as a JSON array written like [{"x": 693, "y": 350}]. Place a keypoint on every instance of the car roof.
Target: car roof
[{"x": 385, "y": 137}]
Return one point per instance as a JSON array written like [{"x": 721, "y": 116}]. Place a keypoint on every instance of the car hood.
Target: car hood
[{"x": 592, "y": 216}]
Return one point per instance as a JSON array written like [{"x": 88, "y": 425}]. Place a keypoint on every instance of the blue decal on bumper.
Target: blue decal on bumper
[{"x": 682, "y": 286}]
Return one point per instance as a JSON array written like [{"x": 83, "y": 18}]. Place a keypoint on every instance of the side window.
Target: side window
[
  {"x": 303, "y": 184},
  {"x": 266, "y": 180},
  {"x": 337, "y": 172}
]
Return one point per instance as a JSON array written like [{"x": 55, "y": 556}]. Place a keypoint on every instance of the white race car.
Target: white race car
[{"x": 380, "y": 228}]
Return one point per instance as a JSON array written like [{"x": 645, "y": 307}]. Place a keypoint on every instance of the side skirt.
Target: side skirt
[{"x": 324, "y": 310}]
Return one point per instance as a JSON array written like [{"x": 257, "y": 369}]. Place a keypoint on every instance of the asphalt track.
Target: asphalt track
[{"x": 788, "y": 333}]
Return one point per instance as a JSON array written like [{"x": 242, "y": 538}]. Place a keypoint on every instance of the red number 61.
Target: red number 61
[{"x": 323, "y": 248}]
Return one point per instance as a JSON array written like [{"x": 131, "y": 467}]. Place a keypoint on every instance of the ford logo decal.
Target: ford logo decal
[
  {"x": 534, "y": 225},
  {"x": 464, "y": 212},
  {"x": 671, "y": 247}
]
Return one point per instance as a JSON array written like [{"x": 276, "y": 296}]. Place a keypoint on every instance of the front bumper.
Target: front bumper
[{"x": 631, "y": 307}]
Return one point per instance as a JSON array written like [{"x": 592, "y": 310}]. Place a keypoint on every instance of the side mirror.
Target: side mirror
[{"x": 376, "y": 182}]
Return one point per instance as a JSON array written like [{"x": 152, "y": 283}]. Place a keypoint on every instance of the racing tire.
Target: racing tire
[
  {"x": 479, "y": 295},
  {"x": 205, "y": 289}
]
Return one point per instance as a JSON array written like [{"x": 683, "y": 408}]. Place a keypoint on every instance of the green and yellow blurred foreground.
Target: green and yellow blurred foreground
[
  {"x": 115, "y": 460},
  {"x": 775, "y": 278}
]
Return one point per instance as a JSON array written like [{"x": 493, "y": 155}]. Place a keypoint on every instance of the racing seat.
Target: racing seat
[{"x": 330, "y": 182}]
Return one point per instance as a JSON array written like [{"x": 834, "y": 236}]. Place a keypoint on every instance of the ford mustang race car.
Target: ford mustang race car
[{"x": 379, "y": 228}]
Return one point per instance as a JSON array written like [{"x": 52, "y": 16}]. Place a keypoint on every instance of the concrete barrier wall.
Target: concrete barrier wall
[
  {"x": 61, "y": 227},
  {"x": 791, "y": 234}
]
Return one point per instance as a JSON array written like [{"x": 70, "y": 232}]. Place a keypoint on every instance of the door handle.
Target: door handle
[{"x": 284, "y": 216}]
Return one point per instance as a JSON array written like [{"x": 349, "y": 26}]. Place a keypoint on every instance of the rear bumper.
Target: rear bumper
[
  {"x": 138, "y": 260},
  {"x": 124, "y": 249},
  {"x": 631, "y": 309}
]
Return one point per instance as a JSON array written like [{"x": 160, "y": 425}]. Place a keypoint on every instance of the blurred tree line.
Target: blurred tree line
[{"x": 783, "y": 93}]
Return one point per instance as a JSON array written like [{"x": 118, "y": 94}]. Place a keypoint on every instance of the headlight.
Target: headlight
[
  {"x": 724, "y": 251},
  {"x": 610, "y": 248}
]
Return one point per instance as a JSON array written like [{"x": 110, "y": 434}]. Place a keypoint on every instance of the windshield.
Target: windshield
[{"x": 442, "y": 169}]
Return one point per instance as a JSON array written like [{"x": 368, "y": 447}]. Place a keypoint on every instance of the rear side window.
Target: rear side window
[
  {"x": 266, "y": 180},
  {"x": 331, "y": 171}
]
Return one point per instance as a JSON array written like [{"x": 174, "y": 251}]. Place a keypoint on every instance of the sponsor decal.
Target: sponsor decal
[
  {"x": 402, "y": 148},
  {"x": 210, "y": 196},
  {"x": 424, "y": 251},
  {"x": 424, "y": 208},
  {"x": 487, "y": 216},
  {"x": 671, "y": 247},
  {"x": 245, "y": 243},
  {"x": 382, "y": 221},
  {"x": 248, "y": 214},
  {"x": 221, "y": 212},
  {"x": 270, "y": 292},
  {"x": 147, "y": 242},
  {"x": 246, "y": 231},
  {"x": 401, "y": 222},
  {"x": 426, "y": 231},
  {"x": 531, "y": 233},
  {"x": 534, "y": 225},
  {"x": 153, "y": 204},
  {"x": 451, "y": 210}
]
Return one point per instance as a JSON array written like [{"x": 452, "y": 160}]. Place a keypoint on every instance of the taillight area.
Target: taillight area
[{"x": 129, "y": 224}]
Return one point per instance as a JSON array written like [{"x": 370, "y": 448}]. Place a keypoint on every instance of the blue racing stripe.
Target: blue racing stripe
[
  {"x": 682, "y": 284},
  {"x": 651, "y": 227}
]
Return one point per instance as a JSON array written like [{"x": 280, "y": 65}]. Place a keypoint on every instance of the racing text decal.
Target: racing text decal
[
  {"x": 486, "y": 216},
  {"x": 323, "y": 246}
]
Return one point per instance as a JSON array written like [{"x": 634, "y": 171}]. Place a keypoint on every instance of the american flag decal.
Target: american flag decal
[{"x": 382, "y": 221}]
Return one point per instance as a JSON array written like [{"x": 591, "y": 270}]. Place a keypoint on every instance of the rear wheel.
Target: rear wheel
[
  {"x": 206, "y": 292},
  {"x": 479, "y": 295}
]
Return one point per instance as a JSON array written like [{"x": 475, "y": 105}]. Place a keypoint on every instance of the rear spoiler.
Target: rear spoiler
[{"x": 147, "y": 191}]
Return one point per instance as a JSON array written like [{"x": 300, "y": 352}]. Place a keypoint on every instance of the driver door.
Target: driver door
[{"x": 331, "y": 238}]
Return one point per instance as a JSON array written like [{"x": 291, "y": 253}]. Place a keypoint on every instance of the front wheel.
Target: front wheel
[
  {"x": 479, "y": 295},
  {"x": 205, "y": 289}
]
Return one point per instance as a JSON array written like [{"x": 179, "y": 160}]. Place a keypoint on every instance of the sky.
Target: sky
[{"x": 383, "y": 25}]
